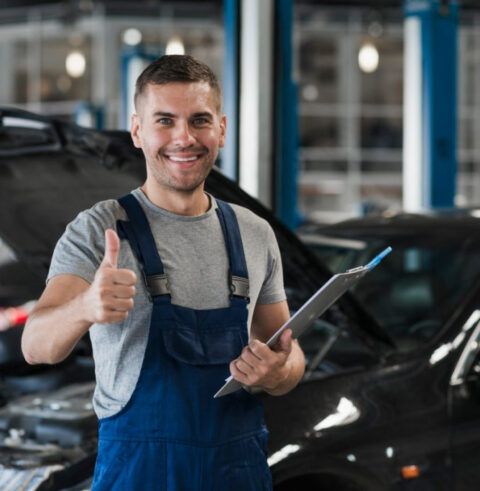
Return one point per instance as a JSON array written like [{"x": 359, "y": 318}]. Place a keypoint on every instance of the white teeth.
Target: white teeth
[{"x": 184, "y": 159}]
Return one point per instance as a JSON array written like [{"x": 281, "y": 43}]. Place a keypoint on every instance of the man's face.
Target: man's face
[{"x": 180, "y": 130}]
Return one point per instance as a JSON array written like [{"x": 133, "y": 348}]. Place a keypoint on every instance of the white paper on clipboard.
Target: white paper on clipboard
[{"x": 320, "y": 301}]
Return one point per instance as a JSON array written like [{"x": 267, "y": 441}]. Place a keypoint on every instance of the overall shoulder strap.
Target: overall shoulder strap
[
  {"x": 238, "y": 274},
  {"x": 138, "y": 232}
]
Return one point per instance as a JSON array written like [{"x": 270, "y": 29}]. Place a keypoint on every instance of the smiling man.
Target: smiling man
[{"x": 177, "y": 290}]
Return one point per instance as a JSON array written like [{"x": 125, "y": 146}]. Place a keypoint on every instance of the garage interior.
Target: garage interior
[{"x": 352, "y": 126}]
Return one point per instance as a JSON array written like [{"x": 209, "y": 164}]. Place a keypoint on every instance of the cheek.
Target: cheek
[
  {"x": 153, "y": 141},
  {"x": 214, "y": 139}
]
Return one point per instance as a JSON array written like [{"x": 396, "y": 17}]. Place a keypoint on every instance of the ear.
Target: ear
[
  {"x": 135, "y": 131},
  {"x": 223, "y": 130}
]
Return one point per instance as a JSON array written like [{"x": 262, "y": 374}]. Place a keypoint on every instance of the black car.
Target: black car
[
  {"x": 401, "y": 415},
  {"x": 389, "y": 396}
]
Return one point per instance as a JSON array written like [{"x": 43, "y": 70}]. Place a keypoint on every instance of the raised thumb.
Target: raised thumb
[{"x": 112, "y": 246}]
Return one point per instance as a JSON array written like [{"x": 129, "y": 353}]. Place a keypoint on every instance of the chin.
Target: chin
[
  {"x": 185, "y": 187},
  {"x": 187, "y": 184}
]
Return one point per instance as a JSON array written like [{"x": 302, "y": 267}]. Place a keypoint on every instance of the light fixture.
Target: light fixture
[
  {"x": 132, "y": 36},
  {"x": 310, "y": 92},
  {"x": 368, "y": 58},
  {"x": 175, "y": 46},
  {"x": 75, "y": 64}
]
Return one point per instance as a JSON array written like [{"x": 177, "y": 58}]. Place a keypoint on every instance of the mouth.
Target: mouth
[{"x": 184, "y": 160}]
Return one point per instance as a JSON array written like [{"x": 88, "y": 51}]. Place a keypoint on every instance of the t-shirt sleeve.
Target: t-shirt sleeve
[
  {"x": 80, "y": 249},
  {"x": 272, "y": 289}
]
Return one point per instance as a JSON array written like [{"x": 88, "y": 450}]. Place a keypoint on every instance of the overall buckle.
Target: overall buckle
[
  {"x": 240, "y": 287},
  {"x": 157, "y": 284}
]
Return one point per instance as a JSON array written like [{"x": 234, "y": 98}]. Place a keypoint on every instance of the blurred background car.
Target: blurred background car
[
  {"x": 393, "y": 361},
  {"x": 402, "y": 417}
]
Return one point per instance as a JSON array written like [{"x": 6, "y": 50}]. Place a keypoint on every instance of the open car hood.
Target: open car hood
[{"x": 51, "y": 170}]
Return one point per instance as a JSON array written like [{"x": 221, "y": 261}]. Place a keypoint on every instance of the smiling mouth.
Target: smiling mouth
[{"x": 184, "y": 160}]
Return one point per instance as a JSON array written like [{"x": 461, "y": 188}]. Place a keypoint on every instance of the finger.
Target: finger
[
  {"x": 251, "y": 359},
  {"x": 124, "y": 277},
  {"x": 237, "y": 374},
  {"x": 244, "y": 367},
  {"x": 112, "y": 317},
  {"x": 120, "y": 291},
  {"x": 255, "y": 348},
  {"x": 259, "y": 349},
  {"x": 120, "y": 304},
  {"x": 112, "y": 246},
  {"x": 285, "y": 342}
]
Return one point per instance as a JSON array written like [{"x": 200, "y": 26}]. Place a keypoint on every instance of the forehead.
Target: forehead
[{"x": 179, "y": 98}]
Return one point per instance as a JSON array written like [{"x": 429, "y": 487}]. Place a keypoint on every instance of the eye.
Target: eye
[
  {"x": 165, "y": 121},
  {"x": 201, "y": 121}
]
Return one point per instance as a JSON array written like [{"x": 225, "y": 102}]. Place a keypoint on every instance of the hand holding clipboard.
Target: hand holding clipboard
[{"x": 320, "y": 301}]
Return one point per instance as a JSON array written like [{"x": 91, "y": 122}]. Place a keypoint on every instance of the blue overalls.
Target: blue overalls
[{"x": 172, "y": 434}]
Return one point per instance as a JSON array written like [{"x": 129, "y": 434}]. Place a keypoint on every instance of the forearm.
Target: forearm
[
  {"x": 293, "y": 371},
  {"x": 51, "y": 333}
]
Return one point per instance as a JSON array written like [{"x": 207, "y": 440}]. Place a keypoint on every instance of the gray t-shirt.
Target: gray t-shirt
[{"x": 196, "y": 263}]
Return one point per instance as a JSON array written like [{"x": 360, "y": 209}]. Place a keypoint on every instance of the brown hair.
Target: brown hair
[{"x": 177, "y": 68}]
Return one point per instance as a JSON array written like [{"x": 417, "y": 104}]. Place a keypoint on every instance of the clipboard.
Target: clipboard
[{"x": 318, "y": 303}]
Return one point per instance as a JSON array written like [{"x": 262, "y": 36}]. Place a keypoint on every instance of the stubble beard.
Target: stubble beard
[{"x": 165, "y": 180}]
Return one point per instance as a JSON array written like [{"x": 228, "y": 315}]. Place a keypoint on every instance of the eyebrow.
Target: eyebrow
[
  {"x": 203, "y": 114},
  {"x": 164, "y": 114}
]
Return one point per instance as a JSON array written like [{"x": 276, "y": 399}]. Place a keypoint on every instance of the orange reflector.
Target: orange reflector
[{"x": 410, "y": 471}]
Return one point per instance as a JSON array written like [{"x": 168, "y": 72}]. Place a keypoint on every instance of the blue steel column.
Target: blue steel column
[
  {"x": 231, "y": 89},
  {"x": 286, "y": 118},
  {"x": 133, "y": 61},
  {"x": 438, "y": 22}
]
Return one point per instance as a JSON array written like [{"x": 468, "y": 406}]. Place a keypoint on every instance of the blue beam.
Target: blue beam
[
  {"x": 286, "y": 118},
  {"x": 438, "y": 20},
  {"x": 231, "y": 77},
  {"x": 133, "y": 60}
]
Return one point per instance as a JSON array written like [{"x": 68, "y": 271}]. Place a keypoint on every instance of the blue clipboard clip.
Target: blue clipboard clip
[{"x": 377, "y": 259}]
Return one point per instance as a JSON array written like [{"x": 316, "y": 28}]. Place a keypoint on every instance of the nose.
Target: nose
[{"x": 183, "y": 135}]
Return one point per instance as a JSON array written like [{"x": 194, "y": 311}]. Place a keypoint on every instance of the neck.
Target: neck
[{"x": 188, "y": 203}]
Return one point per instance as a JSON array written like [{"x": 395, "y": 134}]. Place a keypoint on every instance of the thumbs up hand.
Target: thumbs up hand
[
  {"x": 112, "y": 246},
  {"x": 110, "y": 297}
]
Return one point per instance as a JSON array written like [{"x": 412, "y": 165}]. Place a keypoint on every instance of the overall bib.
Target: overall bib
[{"x": 172, "y": 434}]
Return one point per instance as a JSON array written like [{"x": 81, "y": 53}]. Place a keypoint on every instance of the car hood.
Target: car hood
[{"x": 51, "y": 170}]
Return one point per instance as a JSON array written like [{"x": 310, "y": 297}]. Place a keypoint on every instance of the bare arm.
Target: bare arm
[
  {"x": 276, "y": 371},
  {"x": 70, "y": 305},
  {"x": 57, "y": 322}
]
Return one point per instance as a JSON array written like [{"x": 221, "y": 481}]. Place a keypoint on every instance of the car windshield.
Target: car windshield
[{"x": 416, "y": 288}]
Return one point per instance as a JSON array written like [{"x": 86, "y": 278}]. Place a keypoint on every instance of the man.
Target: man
[{"x": 168, "y": 304}]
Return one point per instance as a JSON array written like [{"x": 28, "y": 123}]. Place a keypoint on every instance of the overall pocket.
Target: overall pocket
[{"x": 204, "y": 347}]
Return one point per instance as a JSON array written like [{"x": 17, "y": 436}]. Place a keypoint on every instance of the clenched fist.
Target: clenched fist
[{"x": 110, "y": 297}]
